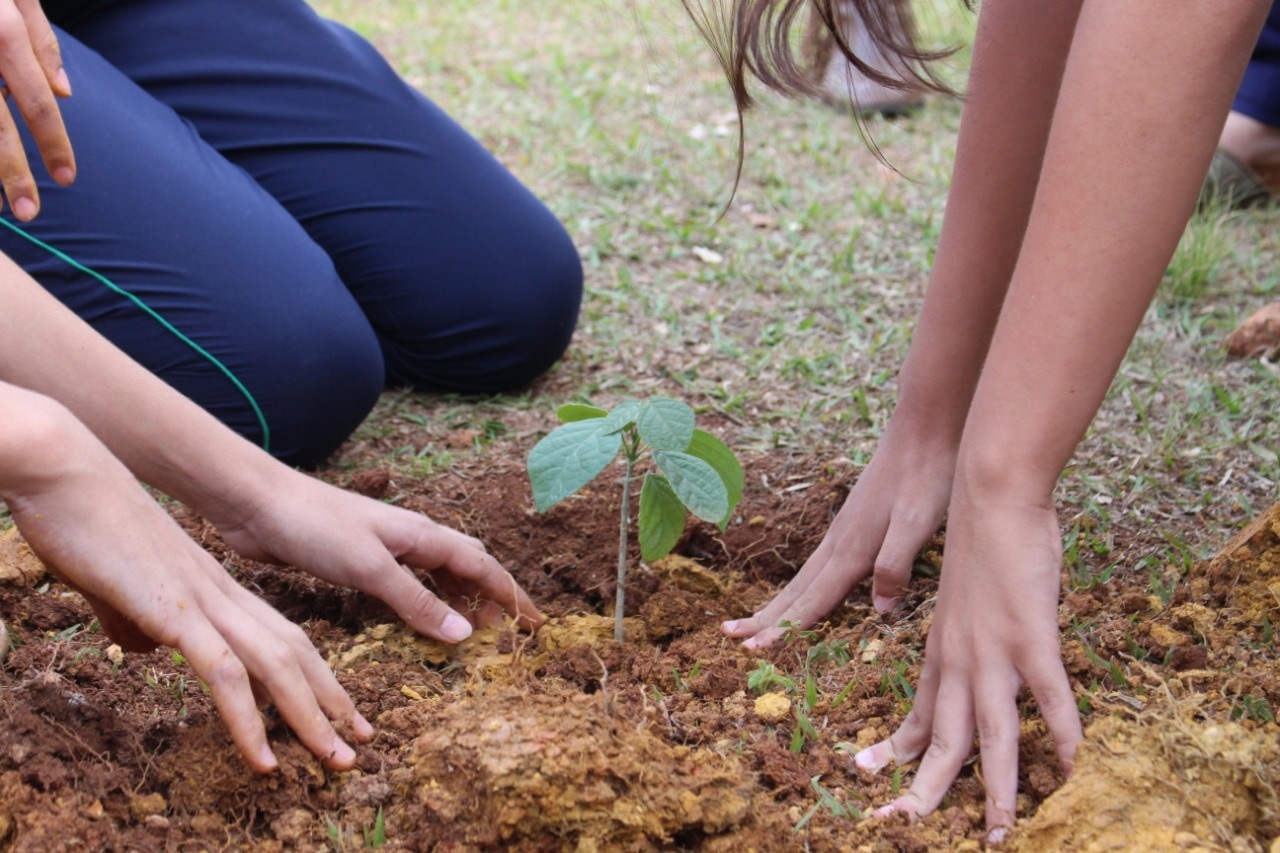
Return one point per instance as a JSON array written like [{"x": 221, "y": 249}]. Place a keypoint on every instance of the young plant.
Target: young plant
[{"x": 691, "y": 470}]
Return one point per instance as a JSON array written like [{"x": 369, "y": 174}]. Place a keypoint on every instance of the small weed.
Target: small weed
[
  {"x": 1250, "y": 707},
  {"x": 766, "y": 676},
  {"x": 828, "y": 801},
  {"x": 376, "y": 836}
]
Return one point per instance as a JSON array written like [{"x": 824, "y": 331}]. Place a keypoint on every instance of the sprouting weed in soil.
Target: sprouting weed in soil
[
  {"x": 68, "y": 633},
  {"x": 843, "y": 695},
  {"x": 804, "y": 732},
  {"x": 829, "y": 801},
  {"x": 1116, "y": 672},
  {"x": 766, "y": 676},
  {"x": 1136, "y": 650},
  {"x": 1250, "y": 707},
  {"x": 682, "y": 682},
  {"x": 376, "y": 836},
  {"x": 692, "y": 471},
  {"x": 173, "y": 686},
  {"x": 895, "y": 683},
  {"x": 895, "y": 782}
]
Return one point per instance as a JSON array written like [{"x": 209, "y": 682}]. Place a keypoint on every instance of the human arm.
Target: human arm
[
  {"x": 149, "y": 583},
  {"x": 263, "y": 508},
  {"x": 31, "y": 68},
  {"x": 899, "y": 500},
  {"x": 1144, "y": 95}
]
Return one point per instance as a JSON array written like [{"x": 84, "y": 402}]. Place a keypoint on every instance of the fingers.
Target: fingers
[
  {"x": 818, "y": 588},
  {"x": 290, "y": 671},
  {"x": 1057, "y": 703},
  {"x": 215, "y": 663},
  {"x": 950, "y": 743},
  {"x": 998, "y": 731},
  {"x": 436, "y": 547},
  {"x": 15, "y": 173},
  {"x": 45, "y": 44},
  {"x": 32, "y": 81},
  {"x": 331, "y": 697},
  {"x": 892, "y": 573}
]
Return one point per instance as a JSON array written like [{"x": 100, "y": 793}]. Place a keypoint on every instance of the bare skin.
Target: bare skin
[
  {"x": 31, "y": 66},
  {"x": 81, "y": 426},
  {"x": 1084, "y": 136},
  {"x": 1255, "y": 144},
  {"x": 150, "y": 584}
]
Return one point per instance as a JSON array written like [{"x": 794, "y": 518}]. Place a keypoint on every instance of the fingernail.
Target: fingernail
[
  {"x": 730, "y": 626},
  {"x": 64, "y": 175},
  {"x": 64, "y": 83},
  {"x": 455, "y": 629},
  {"x": 342, "y": 753},
  {"x": 866, "y": 760},
  {"x": 885, "y": 811},
  {"x": 24, "y": 208},
  {"x": 883, "y": 604},
  {"x": 267, "y": 760},
  {"x": 998, "y": 835},
  {"x": 753, "y": 643},
  {"x": 363, "y": 728}
]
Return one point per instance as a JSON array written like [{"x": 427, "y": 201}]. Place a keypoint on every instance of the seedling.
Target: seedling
[{"x": 692, "y": 471}]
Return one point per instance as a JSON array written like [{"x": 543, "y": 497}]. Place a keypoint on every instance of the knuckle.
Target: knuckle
[
  {"x": 13, "y": 30},
  {"x": 40, "y": 112},
  {"x": 227, "y": 672},
  {"x": 940, "y": 748},
  {"x": 293, "y": 636},
  {"x": 426, "y": 607},
  {"x": 991, "y": 731},
  {"x": 278, "y": 656}
]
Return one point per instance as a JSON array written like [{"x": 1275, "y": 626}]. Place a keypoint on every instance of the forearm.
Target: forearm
[
  {"x": 162, "y": 437},
  {"x": 1143, "y": 99},
  {"x": 1002, "y": 140}
]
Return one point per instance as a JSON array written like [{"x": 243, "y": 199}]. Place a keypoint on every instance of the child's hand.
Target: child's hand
[
  {"x": 896, "y": 505},
  {"x": 995, "y": 629},
  {"x": 149, "y": 583},
  {"x": 358, "y": 542}
]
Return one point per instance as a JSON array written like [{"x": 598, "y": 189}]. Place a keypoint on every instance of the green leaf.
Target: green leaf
[
  {"x": 661, "y": 518},
  {"x": 665, "y": 424},
  {"x": 568, "y": 458},
  {"x": 573, "y": 412},
  {"x": 622, "y": 416},
  {"x": 717, "y": 454},
  {"x": 696, "y": 483}
]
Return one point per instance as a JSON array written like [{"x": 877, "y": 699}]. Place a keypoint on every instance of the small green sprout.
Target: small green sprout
[{"x": 692, "y": 471}]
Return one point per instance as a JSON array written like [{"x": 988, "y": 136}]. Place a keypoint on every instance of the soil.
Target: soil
[{"x": 568, "y": 741}]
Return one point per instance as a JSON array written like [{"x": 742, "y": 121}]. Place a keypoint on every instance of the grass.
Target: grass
[{"x": 791, "y": 313}]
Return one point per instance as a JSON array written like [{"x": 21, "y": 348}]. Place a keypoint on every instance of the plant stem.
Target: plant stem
[{"x": 623, "y": 525}]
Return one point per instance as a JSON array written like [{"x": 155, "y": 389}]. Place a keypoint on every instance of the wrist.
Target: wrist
[
  {"x": 39, "y": 443},
  {"x": 990, "y": 472}
]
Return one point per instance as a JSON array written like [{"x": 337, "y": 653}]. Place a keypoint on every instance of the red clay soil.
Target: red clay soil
[{"x": 568, "y": 741}]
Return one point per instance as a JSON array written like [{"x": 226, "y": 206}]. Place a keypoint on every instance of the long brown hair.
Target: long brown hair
[{"x": 755, "y": 38}]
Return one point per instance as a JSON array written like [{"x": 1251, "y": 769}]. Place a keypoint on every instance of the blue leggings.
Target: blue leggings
[
  {"x": 1259, "y": 93},
  {"x": 267, "y": 217}
]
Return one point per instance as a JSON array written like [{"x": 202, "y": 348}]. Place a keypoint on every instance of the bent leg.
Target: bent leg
[
  {"x": 181, "y": 260},
  {"x": 469, "y": 281}
]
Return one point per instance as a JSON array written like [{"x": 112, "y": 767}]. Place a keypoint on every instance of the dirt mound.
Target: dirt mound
[
  {"x": 1164, "y": 782},
  {"x": 494, "y": 770}
]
